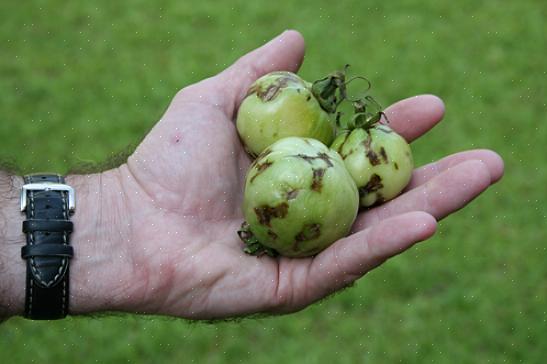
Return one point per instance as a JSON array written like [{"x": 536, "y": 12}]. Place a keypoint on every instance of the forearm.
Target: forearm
[{"x": 97, "y": 236}]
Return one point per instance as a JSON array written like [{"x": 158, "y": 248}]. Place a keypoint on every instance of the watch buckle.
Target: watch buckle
[{"x": 48, "y": 186}]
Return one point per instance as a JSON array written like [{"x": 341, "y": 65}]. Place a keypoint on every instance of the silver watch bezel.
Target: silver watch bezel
[{"x": 48, "y": 186}]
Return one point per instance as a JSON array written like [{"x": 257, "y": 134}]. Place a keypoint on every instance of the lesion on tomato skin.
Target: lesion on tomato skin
[
  {"x": 266, "y": 213},
  {"x": 291, "y": 194},
  {"x": 383, "y": 154},
  {"x": 341, "y": 146},
  {"x": 260, "y": 167},
  {"x": 371, "y": 155},
  {"x": 267, "y": 90},
  {"x": 258, "y": 157},
  {"x": 310, "y": 158},
  {"x": 317, "y": 181},
  {"x": 374, "y": 184},
  {"x": 384, "y": 129},
  {"x": 325, "y": 157},
  {"x": 309, "y": 232},
  {"x": 340, "y": 149}
]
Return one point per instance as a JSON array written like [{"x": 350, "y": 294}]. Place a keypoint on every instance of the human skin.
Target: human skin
[{"x": 158, "y": 235}]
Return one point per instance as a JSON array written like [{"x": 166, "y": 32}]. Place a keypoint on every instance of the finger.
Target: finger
[
  {"x": 442, "y": 195},
  {"x": 416, "y": 115},
  {"x": 492, "y": 160},
  {"x": 351, "y": 257},
  {"x": 228, "y": 88}
]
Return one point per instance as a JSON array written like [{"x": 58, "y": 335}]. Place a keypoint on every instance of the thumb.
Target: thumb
[
  {"x": 350, "y": 258},
  {"x": 283, "y": 53},
  {"x": 227, "y": 89}
]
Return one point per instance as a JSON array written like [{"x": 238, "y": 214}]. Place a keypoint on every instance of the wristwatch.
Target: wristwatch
[{"x": 48, "y": 203}]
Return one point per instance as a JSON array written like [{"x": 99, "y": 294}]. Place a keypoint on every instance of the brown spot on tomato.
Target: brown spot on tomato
[
  {"x": 317, "y": 182},
  {"x": 309, "y": 158},
  {"x": 384, "y": 129},
  {"x": 373, "y": 185},
  {"x": 272, "y": 234},
  {"x": 383, "y": 154},
  {"x": 252, "y": 90},
  {"x": 341, "y": 146},
  {"x": 309, "y": 232},
  {"x": 344, "y": 156},
  {"x": 269, "y": 91},
  {"x": 372, "y": 157},
  {"x": 369, "y": 152},
  {"x": 264, "y": 153},
  {"x": 325, "y": 157},
  {"x": 266, "y": 213},
  {"x": 396, "y": 165},
  {"x": 291, "y": 195},
  {"x": 261, "y": 167},
  {"x": 346, "y": 136},
  {"x": 308, "y": 98}
]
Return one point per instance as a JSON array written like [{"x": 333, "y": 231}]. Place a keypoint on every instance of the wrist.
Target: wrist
[
  {"x": 101, "y": 269},
  {"x": 98, "y": 278}
]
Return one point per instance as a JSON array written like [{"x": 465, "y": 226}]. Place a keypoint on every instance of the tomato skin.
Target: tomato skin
[
  {"x": 280, "y": 105},
  {"x": 379, "y": 161},
  {"x": 299, "y": 198}
]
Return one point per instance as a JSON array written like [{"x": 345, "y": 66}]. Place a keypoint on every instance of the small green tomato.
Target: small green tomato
[
  {"x": 299, "y": 198},
  {"x": 279, "y": 105},
  {"x": 379, "y": 160}
]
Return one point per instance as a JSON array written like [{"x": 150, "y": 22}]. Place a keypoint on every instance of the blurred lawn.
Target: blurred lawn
[{"x": 81, "y": 80}]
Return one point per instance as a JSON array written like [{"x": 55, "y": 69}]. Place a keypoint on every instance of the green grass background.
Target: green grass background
[{"x": 82, "y": 80}]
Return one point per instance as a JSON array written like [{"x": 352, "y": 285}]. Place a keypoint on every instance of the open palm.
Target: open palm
[{"x": 183, "y": 190}]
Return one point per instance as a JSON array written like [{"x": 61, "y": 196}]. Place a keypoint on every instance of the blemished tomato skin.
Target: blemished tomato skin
[
  {"x": 299, "y": 198},
  {"x": 379, "y": 161},
  {"x": 280, "y": 105}
]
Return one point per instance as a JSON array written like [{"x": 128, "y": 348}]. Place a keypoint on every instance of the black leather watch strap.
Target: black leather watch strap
[{"x": 47, "y": 251}]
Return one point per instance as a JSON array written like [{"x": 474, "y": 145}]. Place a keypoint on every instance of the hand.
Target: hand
[{"x": 169, "y": 216}]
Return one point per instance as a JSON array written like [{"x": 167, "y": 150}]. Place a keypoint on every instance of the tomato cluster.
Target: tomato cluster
[{"x": 300, "y": 195}]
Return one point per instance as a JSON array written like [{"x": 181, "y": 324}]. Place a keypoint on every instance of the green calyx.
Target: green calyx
[
  {"x": 252, "y": 246},
  {"x": 331, "y": 90},
  {"x": 367, "y": 113}
]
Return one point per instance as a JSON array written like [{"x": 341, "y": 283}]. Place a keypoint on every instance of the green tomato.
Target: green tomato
[
  {"x": 279, "y": 105},
  {"x": 299, "y": 198},
  {"x": 379, "y": 160}
]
